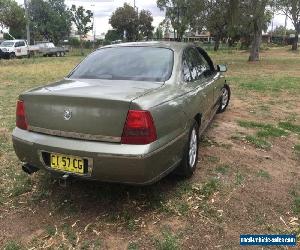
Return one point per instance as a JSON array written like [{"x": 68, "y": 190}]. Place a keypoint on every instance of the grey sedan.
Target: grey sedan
[{"x": 128, "y": 113}]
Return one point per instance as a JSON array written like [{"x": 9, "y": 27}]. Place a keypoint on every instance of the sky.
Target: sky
[{"x": 104, "y": 8}]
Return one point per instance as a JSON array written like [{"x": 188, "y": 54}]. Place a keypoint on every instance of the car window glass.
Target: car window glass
[
  {"x": 196, "y": 63},
  {"x": 207, "y": 59},
  {"x": 186, "y": 70},
  {"x": 127, "y": 63},
  {"x": 22, "y": 44},
  {"x": 205, "y": 65},
  {"x": 7, "y": 44},
  {"x": 17, "y": 44}
]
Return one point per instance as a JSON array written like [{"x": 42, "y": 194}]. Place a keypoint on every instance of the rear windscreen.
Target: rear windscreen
[{"x": 127, "y": 63}]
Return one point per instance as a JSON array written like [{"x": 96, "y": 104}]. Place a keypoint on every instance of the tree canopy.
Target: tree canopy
[
  {"x": 145, "y": 24},
  {"x": 291, "y": 8},
  {"x": 113, "y": 35},
  {"x": 82, "y": 20},
  {"x": 135, "y": 25},
  {"x": 49, "y": 20},
  {"x": 125, "y": 19},
  {"x": 224, "y": 19},
  {"x": 12, "y": 16}
]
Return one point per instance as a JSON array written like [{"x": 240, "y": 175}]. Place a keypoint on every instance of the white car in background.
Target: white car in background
[{"x": 14, "y": 48}]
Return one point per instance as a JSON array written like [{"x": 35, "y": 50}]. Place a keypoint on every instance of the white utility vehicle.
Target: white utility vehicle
[
  {"x": 14, "y": 48},
  {"x": 19, "y": 48}
]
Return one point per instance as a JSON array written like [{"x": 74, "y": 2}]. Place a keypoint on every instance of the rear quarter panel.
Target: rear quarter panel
[{"x": 173, "y": 107}]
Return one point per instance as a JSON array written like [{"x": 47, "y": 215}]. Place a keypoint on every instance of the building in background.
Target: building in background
[{"x": 203, "y": 36}]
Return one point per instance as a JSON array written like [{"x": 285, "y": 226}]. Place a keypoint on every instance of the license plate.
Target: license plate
[{"x": 67, "y": 163}]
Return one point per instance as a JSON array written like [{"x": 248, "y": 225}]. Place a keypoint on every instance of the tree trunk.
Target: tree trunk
[
  {"x": 217, "y": 44},
  {"x": 81, "y": 46},
  {"x": 296, "y": 40},
  {"x": 256, "y": 41}
]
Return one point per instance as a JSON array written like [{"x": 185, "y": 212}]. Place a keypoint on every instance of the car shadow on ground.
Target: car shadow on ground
[{"x": 92, "y": 198}]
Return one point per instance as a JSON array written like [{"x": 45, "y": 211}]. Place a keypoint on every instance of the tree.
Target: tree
[
  {"x": 219, "y": 19},
  {"x": 112, "y": 35},
  {"x": 291, "y": 8},
  {"x": 50, "y": 20},
  {"x": 256, "y": 18},
  {"x": 125, "y": 19},
  {"x": 165, "y": 26},
  {"x": 177, "y": 12},
  {"x": 135, "y": 25},
  {"x": 12, "y": 16},
  {"x": 279, "y": 31},
  {"x": 82, "y": 20},
  {"x": 145, "y": 24},
  {"x": 158, "y": 34},
  {"x": 186, "y": 15}
]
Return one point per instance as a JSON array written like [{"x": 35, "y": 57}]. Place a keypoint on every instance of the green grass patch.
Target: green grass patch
[
  {"x": 252, "y": 124},
  {"x": 222, "y": 169},
  {"x": 210, "y": 187},
  {"x": 213, "y": 159},
  {"x": 272, "y": 132},
  {"x": 271, "y": 84},
  {"x": 183, "y": 188},
  {"x": 239, "y": 179},
  {"x": 133, "y": 246},
  {"x": 22, "y": 185},
  {"x": 297, "y": 148},
  {"x": 267, "y": 130},
  {"x": 263, "y": 174},
  {"x": 50, "y": 230},
  {"x": 71, "y": 236},
  {"x": 296, "y": 203},
  {"x": 12, "y": 245},
  {"x": 290, "y": 126},
  {"x": 5, "y": 145},
  {"x": 258, "y": 142},
  {"x": 168, "y": 241}
]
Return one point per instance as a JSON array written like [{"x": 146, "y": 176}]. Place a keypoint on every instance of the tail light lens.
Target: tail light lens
[
  {"x": 139, "y": 128},
  {"x": 20, "y": 116}
]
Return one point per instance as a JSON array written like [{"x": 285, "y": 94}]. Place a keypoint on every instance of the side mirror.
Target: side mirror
[{"x": 221, "y": 68}]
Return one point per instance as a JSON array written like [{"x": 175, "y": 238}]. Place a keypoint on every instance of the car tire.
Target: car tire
[
  {"x": 190, "y": 153},
  {"x": 12, "y": 55},
  {"x": 225, "y": 98}
]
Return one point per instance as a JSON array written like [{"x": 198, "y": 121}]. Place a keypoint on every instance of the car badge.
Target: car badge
[{"x": 67, "y": 114}]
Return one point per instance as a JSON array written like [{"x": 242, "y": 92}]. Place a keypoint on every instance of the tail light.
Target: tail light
[
  {"x": 139, "y": 128},
  {"x": 20, "y": 116}
]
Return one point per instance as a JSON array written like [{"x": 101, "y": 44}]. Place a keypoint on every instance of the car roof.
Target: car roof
[
  {"x": 15, "y": 40},
  {"x": 156, "y": 44}
]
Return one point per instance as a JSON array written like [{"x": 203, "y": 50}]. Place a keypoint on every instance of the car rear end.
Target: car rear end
[{"x": 95, "y": 128}]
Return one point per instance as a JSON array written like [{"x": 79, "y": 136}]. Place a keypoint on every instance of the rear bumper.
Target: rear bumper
[{"x": 109, "y": 162}]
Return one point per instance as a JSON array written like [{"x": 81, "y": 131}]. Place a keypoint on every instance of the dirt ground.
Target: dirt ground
[{"x": 244, "y": 183}]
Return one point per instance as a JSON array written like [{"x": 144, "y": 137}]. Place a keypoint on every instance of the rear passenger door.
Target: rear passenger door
[
  {"x": 194, "y": 69},
  {"x": 215, "y": 78}
]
